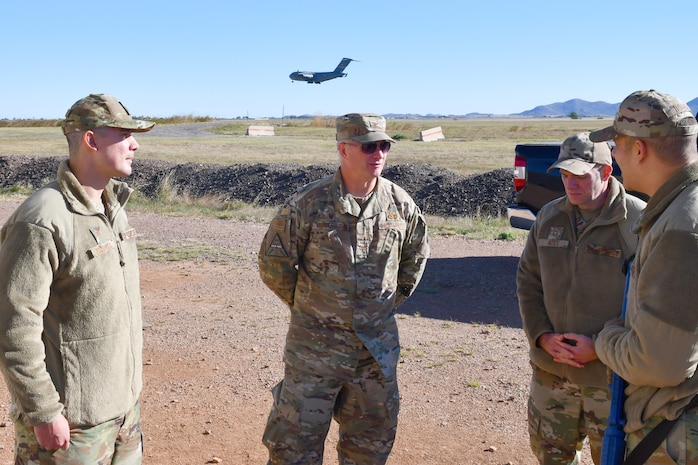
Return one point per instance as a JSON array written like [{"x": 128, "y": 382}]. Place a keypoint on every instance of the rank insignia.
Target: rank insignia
[{"x": 556, "y": 232}]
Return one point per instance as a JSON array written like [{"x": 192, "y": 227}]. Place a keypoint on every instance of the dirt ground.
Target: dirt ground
[{"x": 214, "y": 344}]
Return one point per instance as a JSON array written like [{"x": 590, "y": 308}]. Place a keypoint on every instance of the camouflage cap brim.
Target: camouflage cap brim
[
  {"x": 573, "y": 165},
  {"x": 135, "y": 125},
  {"x": 372, "y": 137},
  {"x": 601, "y": 135}
]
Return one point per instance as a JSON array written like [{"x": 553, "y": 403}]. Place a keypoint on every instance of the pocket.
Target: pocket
[
  {"x": 284, "y": 404},
  {"x": 15, "y": 413},
  {"x": 393, "y": 404},
  {"x": 675, "y": 442},
  {"x": 534, "y": 416}
]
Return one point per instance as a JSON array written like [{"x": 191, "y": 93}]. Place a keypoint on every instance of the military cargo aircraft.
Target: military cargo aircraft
[{"x": 312, "y": 77}]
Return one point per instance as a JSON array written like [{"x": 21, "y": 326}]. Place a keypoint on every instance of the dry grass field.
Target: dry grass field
[{"x": 471, "y": 145}]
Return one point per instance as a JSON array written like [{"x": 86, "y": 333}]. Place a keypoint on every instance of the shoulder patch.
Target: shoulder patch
[{"x": 276, "y": 248}]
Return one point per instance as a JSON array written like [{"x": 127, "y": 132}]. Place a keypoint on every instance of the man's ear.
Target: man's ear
[
  {"x": 640, "y": 149},
  {"x": 89, "y": 138},
  {"x": 342, "y": 149}
]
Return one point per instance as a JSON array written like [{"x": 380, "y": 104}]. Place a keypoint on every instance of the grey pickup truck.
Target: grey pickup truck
[{"x": 533, "y": 185}]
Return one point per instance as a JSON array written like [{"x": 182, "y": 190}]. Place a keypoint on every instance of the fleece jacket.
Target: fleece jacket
[
  {"x": 574, "y": 283},
  {"x": 656, "y": 351},
  {"x": 70, "y": 310}
]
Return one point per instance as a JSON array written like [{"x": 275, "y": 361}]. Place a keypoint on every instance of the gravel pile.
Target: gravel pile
[{"x": 437, "y": 191}]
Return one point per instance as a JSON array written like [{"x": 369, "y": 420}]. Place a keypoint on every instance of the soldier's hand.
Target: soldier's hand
[
  {"x": 582, "y": 347},
  {"x": 54, "y": 435},
  {"x": 553, "y": 343}
]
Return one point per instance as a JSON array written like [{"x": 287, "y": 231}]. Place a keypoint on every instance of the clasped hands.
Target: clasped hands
[{"x": 569, "y": 348}]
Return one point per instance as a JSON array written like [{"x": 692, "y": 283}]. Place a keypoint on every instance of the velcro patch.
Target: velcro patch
[
  {"x": 553, "y": 239},
  {"x": 126, "y": 235},
  {"x": 101, "y": 248},
  {"x": 553, "y": 243},
  {"x": 556, "y": 232}
]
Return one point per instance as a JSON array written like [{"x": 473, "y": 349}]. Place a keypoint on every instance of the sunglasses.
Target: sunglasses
[{"x": 370, "y": 147}]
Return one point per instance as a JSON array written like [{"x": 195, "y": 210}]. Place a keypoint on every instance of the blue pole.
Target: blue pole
[{"x": 613, "y": 445}]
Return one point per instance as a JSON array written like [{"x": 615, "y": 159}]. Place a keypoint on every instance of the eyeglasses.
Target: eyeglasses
[{"x": 370, "y": 147}]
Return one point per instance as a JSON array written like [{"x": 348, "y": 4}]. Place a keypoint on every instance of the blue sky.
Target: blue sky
[{"x": 226, "y": 58}]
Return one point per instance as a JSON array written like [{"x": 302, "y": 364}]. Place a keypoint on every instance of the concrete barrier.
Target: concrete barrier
[
  {"x": 260, "y": 131},
  {"x": 432, "y": 134}
]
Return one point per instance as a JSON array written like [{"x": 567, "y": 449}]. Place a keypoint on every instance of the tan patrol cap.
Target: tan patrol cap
[
  {"x": 362, "y": 128},
  {"x": 579, "y": 155}
]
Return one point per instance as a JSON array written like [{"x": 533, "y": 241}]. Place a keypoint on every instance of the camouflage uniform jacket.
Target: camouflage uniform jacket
[
  {"x": 571, "y": 283},
  {"x": 657, "y": 350},
  {"x": 343, "y": 271},
  {"x": 70, "y": 310}
]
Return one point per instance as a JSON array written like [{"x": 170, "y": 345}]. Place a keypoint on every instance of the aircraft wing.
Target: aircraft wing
[
  {"x": 312, "y": 77},
  {"x": 322, "y": 77}
]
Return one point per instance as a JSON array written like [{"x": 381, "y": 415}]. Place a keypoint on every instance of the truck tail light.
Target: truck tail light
[{"x": 519, "y": 173}]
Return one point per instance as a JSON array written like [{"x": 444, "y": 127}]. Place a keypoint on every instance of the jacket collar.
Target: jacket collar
[
  {"x": 115, "y": 193},
  {"x": 345, "y": 203}
]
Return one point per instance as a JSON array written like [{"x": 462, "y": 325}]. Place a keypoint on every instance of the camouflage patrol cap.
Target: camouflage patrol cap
[
  {"x": 648, "y": 114},
  {"x": 101, "y": 110},
  {"x": 362, "y": 128},
  {"x": 578, "y": 154}
]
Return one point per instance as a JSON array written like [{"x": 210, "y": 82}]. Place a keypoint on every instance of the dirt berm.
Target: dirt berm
[{"x": 437, "y": 191}]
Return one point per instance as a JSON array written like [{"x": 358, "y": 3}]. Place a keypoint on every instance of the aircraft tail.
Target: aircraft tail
[{"x": 343, "y": 64}]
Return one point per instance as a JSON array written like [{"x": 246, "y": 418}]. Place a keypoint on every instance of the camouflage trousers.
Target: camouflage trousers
[
  {"x": 115, "y": 442},
  {"x": 680, "y": 446},
  {"x": 561, "y": 415},
  {"x": 365, "y": 406}
]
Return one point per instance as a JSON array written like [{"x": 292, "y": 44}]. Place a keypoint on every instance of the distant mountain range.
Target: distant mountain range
[{"x": 581, "y": 107}]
